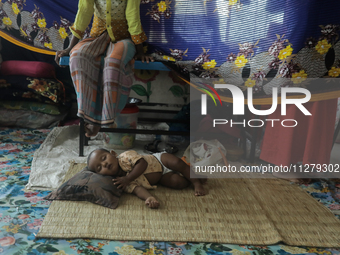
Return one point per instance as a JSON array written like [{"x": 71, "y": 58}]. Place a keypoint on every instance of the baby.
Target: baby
[{"x": 135, "y": 173}]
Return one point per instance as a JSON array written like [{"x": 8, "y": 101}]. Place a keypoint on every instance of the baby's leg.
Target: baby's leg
[
  {"x": 176, "y": 164},
  {"x": 143, "y": 194},
  {"x": 174, "y": 180},
  {"x": 152, "y": 202}
]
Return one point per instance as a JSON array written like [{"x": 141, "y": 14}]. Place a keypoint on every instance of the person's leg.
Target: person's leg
[
  {"x": 176, "y": 164},
  {"x": 117, "y": 78},
  {"x": 91, "y": 130},
  {"x": 174, "y": 180},
  {"x": 85, "y": 71},
  {"x": 145, "y": 195}
]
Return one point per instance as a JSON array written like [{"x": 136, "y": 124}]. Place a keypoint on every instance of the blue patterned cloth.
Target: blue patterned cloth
[
  {"x": 248, "y": 41},
  {"x": 176, "y": 26}
]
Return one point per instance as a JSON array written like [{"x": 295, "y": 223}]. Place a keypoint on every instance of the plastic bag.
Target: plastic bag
[{"x": 205, "y": 153}]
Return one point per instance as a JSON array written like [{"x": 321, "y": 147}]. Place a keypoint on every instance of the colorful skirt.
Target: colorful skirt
[{"x": 102, "y": 91}]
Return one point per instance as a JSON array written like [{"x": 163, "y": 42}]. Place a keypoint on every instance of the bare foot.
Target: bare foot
[
  {"x": 152, "y": 202},
  {"x": 199, "y": 190},
  {"x": 91, "y": 130}
]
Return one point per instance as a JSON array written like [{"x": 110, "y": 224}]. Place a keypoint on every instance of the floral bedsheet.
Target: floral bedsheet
[{"x": 22, "y": 213}]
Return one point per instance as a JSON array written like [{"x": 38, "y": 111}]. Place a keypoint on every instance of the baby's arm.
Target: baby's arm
[
  {"x": 136, "y": 171},
  {"x": 144, "y": 194}
]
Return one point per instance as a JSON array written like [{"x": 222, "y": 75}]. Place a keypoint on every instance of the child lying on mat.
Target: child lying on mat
[{"x": 135, "y": 173}]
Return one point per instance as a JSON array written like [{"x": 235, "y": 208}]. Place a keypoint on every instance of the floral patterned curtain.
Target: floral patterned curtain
[{"x": 248, "y": 40}]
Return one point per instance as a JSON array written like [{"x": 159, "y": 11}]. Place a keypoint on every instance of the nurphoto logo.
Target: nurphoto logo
[{"x": 239, "y": 105}]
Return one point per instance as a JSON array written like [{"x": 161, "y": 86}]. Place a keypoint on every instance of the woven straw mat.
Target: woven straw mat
[{"x": 236, "y": 211}]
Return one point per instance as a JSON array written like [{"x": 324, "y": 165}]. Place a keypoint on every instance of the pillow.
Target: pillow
[
  {"x": 28, "y": 68},
  {"x": 90, "y": 187}
]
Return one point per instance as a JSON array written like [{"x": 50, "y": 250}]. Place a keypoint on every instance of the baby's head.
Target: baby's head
[{"x": 104, "y": 162}]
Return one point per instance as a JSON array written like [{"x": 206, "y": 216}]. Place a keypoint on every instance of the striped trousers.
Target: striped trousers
[{"x": 102, "y": 92}]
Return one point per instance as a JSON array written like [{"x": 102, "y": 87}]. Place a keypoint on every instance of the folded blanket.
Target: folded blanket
[{"x": 14, "y": 87}]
